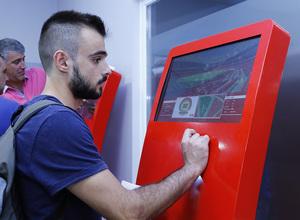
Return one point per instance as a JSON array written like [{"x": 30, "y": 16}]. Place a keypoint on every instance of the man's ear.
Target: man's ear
[{"x": 61, "y": 60}]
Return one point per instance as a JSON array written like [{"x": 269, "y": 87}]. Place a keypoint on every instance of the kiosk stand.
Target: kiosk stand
[
  {"x": 98, "y": 121},
  {"x": 224, "y": 86}
]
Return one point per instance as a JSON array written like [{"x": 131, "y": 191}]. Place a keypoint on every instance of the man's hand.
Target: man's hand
[
  {"x": 104, "y": 193},
  {"x": 195, "y": 150}
]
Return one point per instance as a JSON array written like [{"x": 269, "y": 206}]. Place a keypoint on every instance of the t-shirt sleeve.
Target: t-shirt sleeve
[{"x": 64, "y": 152}]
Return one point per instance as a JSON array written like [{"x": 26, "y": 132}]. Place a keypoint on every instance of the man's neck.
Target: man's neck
[
  {"x": 63, "y": 94},
  {"x": 16, "y": 85}
]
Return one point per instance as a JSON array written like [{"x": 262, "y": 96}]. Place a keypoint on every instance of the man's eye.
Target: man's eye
[
  {"x": 96, "y": 60},
  {"x": 17, "y": 62}
]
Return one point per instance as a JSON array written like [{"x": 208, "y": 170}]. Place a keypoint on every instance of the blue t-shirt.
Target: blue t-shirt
[
  {"x": 55, "y": 149},
  {"x": 7, "y": 108}
]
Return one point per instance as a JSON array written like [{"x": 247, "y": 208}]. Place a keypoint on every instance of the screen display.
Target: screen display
[{"x": 208, "y": 85}]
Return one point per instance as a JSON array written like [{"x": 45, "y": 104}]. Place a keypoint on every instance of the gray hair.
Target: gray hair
[
  {"x": 10, "y": 45},
  {"x": 1, "y": 57}
]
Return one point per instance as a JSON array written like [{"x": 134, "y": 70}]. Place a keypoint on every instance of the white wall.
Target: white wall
[{"x": 23, "y": 20}]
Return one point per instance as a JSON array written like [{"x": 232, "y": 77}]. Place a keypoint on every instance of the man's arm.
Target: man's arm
[{"x": 106, "y": 195}]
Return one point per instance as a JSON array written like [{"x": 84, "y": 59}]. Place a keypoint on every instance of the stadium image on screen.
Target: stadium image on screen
[{"x": 208, "y": 85}]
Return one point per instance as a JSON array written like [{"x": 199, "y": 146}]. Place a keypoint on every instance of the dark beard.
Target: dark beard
[{"x": 81, "y": 87}]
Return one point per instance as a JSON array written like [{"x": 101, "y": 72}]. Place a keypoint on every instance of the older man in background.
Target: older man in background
[{"x": 22, "y": 85}]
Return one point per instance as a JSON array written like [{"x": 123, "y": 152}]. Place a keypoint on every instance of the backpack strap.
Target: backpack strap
[{"x": 30, "y": 111}]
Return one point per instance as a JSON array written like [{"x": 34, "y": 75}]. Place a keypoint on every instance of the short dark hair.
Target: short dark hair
[{"x": 62, "y": 32}]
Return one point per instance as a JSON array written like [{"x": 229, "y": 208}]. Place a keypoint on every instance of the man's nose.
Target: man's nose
[
  {"x": 23, "y": 65},
  {"x": 6, "y": 77},
  {"x": 106, "y": 70}
]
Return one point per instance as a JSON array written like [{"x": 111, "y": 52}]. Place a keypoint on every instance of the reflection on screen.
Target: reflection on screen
[{"x": 208, "y": 85}]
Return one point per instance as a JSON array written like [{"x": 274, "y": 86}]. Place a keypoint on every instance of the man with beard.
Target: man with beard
[
  {"x": 22, "y": 85},
  {"x": 60, "y": 174}
]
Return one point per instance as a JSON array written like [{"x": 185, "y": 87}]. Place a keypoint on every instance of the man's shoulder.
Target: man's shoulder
[
  {"x": 53, "y": 116},
  {"x": 8, "y": 103},
  {"x": 8, "y": 107},
  {"x": 45, "y": 97},
  {"x": 55, "y": 109}
]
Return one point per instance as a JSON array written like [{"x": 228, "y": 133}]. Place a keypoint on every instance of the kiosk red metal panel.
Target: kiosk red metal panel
[
  {"x": 239, "y": 131},
  {"x": 97, "y": 124}
]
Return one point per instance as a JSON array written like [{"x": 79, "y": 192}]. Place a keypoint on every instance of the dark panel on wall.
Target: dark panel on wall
[{"x": 280, "y": 192}]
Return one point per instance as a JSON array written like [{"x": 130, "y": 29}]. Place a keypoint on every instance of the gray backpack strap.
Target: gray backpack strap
[
  {"x": 30, "y": 111},
  {"x": 10, "y": 207}
]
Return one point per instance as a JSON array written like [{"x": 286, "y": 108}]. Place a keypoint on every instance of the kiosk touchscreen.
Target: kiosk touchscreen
[
  {"x": 98, "y": 120},
  {"x": 224, "y": 86}
]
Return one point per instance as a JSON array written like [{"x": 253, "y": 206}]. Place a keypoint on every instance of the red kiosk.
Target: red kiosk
[
  {"x": 97, "y": 123},
  {"x": 224, "y": 86}
]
